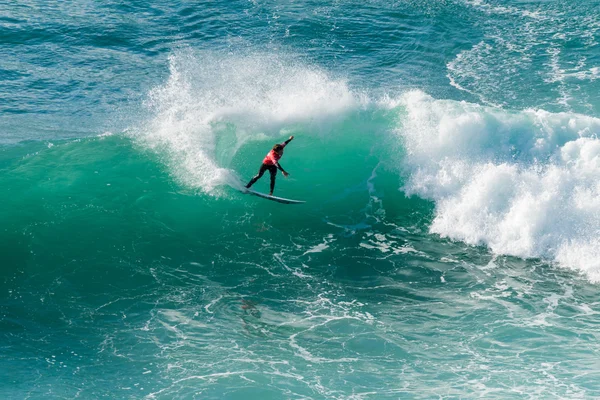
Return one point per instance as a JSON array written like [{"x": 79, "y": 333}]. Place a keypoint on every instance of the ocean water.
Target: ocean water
[{"x": 447, "y": 151}]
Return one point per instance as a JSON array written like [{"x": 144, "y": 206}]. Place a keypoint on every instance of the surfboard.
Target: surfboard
[{"x": 273, "y": 198}]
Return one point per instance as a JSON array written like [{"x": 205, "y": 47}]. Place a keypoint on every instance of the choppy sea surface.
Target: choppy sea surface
[{"x": 447, "y": 151}]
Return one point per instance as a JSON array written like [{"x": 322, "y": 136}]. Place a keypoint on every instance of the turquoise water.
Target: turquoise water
[{"x": 447, "y": 151}]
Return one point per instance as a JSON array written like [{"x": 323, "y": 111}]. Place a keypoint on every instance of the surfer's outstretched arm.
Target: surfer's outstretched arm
[
  {"x": 279, "y": 167},
  {"x": 289, "y": 140}
]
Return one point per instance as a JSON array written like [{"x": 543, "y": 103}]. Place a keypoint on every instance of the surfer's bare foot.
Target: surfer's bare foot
[{"x": 270, "y": 193}]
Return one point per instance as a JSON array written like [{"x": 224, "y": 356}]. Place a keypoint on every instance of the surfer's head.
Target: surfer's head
[{"x": 278, "y": 148}]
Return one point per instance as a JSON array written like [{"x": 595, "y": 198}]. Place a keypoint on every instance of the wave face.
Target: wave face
[
  {"x": 447, "y": 151},
  {"x": 522, "y": 183}
]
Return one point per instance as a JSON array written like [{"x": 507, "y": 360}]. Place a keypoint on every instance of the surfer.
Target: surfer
[{"x": 271, "y": 163}]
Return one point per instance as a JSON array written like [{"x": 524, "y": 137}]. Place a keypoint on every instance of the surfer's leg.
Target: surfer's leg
[
  {"x": 273, "y": 171},
  {"x": 261, "y": 171}
]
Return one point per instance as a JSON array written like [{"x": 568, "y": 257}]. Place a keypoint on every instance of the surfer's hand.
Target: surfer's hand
[
  {"x": 285, "y": 174},
  {"x": 291, "y": 137}
]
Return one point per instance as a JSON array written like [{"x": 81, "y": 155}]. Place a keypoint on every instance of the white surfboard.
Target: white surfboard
[{"x": 274, "y": 198}]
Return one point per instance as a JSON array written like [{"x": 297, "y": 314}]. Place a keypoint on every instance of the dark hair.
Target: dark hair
[{"x": 278, "y": 147}]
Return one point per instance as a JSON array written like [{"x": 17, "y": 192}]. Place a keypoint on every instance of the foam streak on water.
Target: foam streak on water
[{"x": 543, "y": 49}]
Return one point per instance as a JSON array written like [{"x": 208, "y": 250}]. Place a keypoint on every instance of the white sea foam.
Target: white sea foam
[
  {"x": 522, "y": 183},
  {"x": 258, "y": 94}
]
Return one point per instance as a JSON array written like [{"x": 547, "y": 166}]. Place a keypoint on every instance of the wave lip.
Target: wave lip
[{"x": 522, "y": 183}]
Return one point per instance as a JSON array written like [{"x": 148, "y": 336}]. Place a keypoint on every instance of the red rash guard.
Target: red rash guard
[{"x": 273, "y": 157}]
